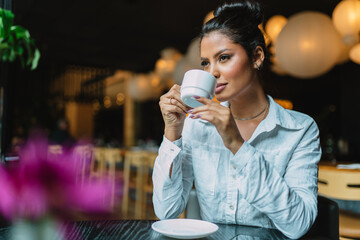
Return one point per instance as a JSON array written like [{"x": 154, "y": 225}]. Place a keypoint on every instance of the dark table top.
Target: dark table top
[{"x": 141, "y": 230}]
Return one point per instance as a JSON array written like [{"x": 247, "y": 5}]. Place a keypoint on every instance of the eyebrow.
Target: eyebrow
[{"x": 217, "y": 54}]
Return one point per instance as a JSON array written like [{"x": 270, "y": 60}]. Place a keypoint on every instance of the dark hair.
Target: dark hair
[{"x": 239, "y": 21}]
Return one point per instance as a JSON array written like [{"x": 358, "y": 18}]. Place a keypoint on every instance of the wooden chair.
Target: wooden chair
[
  {"x": 342, "y": 184},
  {"x": 98, "y": 164},
  {"x": 142, "y": 162},
  {"x": 54, "y": 151},
  {"x": 106, "y": 160},
  {"x": 113, "y": 158},
  {"x": 326, "y": 224},
  {"x": 83, "y": 155}
]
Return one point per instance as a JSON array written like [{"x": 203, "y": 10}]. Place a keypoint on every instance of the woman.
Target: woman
[{"x": 252, "y": 161}]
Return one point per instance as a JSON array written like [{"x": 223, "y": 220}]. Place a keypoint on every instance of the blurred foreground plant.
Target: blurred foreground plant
[
  {"x": 16, "y": 42},
  {"x": 41, "y": 189}
]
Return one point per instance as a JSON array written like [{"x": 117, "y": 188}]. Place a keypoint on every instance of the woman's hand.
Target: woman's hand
[
  {"x": 222, "y": 119},
  {"x": 174, "y": 112}
]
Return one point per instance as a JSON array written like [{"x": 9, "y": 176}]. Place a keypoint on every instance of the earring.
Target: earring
[{"x": 257, "y": 66}]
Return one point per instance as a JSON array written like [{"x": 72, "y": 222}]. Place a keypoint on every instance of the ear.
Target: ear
[{"x": 258, "y": 57}]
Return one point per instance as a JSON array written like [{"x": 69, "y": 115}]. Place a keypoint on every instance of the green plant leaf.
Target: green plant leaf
[
  {"x": 2, "y": 25},
  {"x": 3, "y": 46},
  {"x": 16, "y": 42},
  {"x": 20, "y": 32},
  {"x": 19, "y": 50},
  {"x": 22, "y": 61},
  {"x": 2, "y": 30},
  {"x": 12, "y": 55},
  {"x": 36, "y": 59},
  {"x": 6, "y": 21}
]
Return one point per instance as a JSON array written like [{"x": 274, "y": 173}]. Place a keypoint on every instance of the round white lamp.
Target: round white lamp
[
  {"x": 344, "y": 53},
  {"x": 305, "y": 46},
  {"x": 355, "y": 53},
  {"x": 141, "y": 87},
  {"x": 274, "y": 26},
  {"x": 346, "y": 18}
]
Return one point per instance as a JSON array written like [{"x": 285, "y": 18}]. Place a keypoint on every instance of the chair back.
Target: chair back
[
  {"x": 54, "y": 151},
  {"x": 104, "y": 167},
  {"x": 141, "y": 164},
  {"x": 342, "y": 184},
  {"x": 339, "y": 183},
  {"x": 83, "y": 155},
  {"x": 326, "y": 224}
]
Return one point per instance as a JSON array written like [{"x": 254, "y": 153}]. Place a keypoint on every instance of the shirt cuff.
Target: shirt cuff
[{"x": 169, "y": 150}]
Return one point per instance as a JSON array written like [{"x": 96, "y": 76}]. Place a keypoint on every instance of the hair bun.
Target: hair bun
[{"x": 247, "y": 9}]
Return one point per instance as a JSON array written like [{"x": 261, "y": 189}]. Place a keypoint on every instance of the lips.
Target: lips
[{"x": 220, "y": 87}]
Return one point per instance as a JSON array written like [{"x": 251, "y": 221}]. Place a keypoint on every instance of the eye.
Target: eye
[
  {"x": 223, "y": 58},
  {"x": 204, "y": 63}
]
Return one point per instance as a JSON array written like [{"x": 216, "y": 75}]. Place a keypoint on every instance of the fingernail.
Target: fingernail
[
  {"x": 189, "y": 111},
  {"x": 198, "y": 116},
  {"x": 196, "y": 97},
  {"x": 192, "y": 116}
]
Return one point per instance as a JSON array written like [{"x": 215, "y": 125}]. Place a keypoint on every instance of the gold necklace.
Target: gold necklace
[{"x": 249, "y": 118}]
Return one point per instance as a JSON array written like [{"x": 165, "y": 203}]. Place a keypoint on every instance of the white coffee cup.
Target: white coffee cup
[{"x": 197, "y": 82}]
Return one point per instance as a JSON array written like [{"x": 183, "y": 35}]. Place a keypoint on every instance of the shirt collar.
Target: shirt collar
[
  {"x": 277, "y": 116},
  {"x": 281, "y": 116}
]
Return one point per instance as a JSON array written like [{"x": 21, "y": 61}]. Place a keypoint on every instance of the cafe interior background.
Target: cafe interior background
[{"x": 104, "y": 65}]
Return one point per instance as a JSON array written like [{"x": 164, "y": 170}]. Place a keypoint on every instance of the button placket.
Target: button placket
[{"x": 231, "y": 199}]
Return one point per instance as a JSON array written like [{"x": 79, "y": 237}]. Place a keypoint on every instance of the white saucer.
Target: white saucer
[{"x": 184, "y": 228}]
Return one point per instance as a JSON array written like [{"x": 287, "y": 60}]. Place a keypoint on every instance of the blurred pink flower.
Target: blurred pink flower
[
  {"x": 7, "y": 193},
  {"x": 39, "y": 184}
]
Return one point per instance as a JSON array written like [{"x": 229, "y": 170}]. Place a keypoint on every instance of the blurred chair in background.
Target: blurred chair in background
[
  {"x": 106, "y": 165},
  {"x": 342, "y": 184},
  {"x": 83, "y": 155},
  {"x": 54, "y": 151},
  {"x": 113, "y": 158},
  {"x": 96, "y": 163},
  {"x": 327, "y": 221},
  {"x": 138, "y": 166}
]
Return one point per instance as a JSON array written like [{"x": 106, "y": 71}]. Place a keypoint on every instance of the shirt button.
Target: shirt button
[
  {"x": 231, "y": 207},
  {"x": 234, "y": 167},
  {"x": 234, "y": 177}
]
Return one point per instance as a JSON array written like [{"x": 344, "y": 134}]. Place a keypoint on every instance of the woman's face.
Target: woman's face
[{"x": 229, "y": 63}]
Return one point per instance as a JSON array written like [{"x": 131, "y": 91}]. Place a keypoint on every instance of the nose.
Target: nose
[{"x": 214, "y": 72}]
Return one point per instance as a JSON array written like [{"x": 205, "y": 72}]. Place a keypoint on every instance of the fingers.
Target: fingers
[
  {"x": 214, "y": 116},
  {"x": 175, "y": 98},
  {"x": 209, "y": 105},
  {"x": 203, "y": 100},
  {"x": 212, "y": 112},
  {"x": 175, "y": 107},
  {"x": 221, "y": 117},
  {"x": 171, "y": 101},
  {"x": 178, "y": 104}
]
